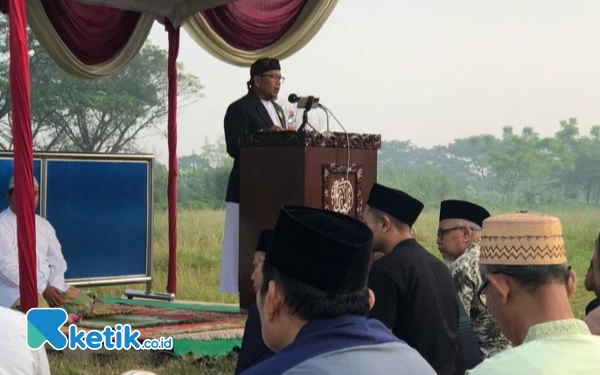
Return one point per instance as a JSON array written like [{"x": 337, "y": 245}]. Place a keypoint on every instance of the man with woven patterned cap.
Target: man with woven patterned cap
[
  {"x": 414, "y": 291},
  {"x": 459, "y": 241},
  {"x": 314, "y": 301},
  {"x": 527, "y": 288}
]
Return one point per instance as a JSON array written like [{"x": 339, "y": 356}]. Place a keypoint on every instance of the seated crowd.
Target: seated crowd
[{"x": 336, "y": 295}]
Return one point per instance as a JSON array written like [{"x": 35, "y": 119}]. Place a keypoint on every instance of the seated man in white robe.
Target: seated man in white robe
[{"x": 51, "y": 265}]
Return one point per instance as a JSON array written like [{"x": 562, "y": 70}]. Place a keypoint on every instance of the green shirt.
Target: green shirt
[{"x": 561, "y": 347}]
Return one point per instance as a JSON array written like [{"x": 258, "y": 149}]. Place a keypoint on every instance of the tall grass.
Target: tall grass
[
  {"x": 199, "y": 238},
  {"x": 198, "y": 258}
]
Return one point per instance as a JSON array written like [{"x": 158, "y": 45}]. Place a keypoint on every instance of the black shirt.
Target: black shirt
[
  {"x": 253, "y": 350},
  {"x": 416, "y": 298},
  {"x": 594, "y": 304},
  {"x": 468, "y": 354},
  {"x": 247, "y": 114}
]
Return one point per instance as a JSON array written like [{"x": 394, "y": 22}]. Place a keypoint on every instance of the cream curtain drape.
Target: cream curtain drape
[
  {"x": 308, "y": 24},
  {"x": 49, "y": 39}
]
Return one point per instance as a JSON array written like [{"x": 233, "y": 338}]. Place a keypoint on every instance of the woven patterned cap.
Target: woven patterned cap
[{"x": 522, "y": 238}]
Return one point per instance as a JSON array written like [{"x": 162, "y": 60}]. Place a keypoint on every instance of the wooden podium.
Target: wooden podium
[{"x": 299, "y": 168}]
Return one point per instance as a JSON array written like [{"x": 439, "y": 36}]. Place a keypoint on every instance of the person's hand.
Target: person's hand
[
  {"x": 53, "y": 296},
  {"x": 276, "y": 129}
]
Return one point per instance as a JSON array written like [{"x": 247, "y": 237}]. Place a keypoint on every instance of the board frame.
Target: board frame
[{"x": 149, "y": 159}]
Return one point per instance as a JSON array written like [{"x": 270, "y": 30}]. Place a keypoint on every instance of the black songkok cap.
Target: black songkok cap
[
  {"x": 264, "y": 239},
  {"x": 396, "y": 203},
  {"x": 322, "y": 249},
  {"x": 263, "y": 65},
  {"x": 455, "y": 209}
]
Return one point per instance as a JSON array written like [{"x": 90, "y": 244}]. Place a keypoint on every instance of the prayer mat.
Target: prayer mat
[
  {"x": 78, "y": 305},
  {"x": 165, "y": 319},
  {"x": 201, "y": 330}
]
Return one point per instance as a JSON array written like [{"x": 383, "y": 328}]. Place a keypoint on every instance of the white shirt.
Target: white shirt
[
  {"x": 51, "y": 265},
  {"x": 15, "y": 356},
  {"x": 272, "y": 112}
]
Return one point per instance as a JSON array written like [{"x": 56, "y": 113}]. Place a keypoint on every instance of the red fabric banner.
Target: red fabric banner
[
  {"x": 172, "y": 140},
  {"x": 94, "y": 34},
  {"x": 253, "y": 24},
  {"x": 23, "y": 154}
]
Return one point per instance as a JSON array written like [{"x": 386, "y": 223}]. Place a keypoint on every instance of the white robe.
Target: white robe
[
  {"x": 51, "y": 265},
  {"x": 228, "y": 280},
  {"x": 15, "y": 356}
]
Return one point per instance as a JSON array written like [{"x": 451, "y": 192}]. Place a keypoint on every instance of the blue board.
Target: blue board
[
  {"x": 7, "y": 168},
  {"x": 99, "y": 210}
]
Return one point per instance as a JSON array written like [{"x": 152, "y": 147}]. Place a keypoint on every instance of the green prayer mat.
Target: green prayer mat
[{"x": 172, "y": 305}]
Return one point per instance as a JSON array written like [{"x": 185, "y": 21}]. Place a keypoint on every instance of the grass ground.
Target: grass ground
[{"x": 199, "y": 242}]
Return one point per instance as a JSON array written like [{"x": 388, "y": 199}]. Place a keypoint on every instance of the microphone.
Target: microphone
[
  {"x": 304, "y": 102},
  {"x": 307, "y": 103},
  {"x": 313, "y": 102}
]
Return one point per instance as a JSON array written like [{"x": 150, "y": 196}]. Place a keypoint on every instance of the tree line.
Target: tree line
[
  {"x": 108, "y": 115},
  {"x": 517, "y": 169}
]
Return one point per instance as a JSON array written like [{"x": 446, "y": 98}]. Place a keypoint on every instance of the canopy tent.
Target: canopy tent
[
  {"x": 98, "y": 38},
  {"x": 174, "y": 10}
]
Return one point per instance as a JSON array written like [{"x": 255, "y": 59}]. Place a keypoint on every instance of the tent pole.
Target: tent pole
[
  {"x": 172, "y": 140},
  {"x": 23, "y": 154}
]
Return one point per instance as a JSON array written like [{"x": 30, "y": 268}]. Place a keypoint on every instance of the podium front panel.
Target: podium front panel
[{"x": 306, "y": 169}]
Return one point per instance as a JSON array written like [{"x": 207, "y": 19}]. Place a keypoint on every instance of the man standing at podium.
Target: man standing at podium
[{"x": 256, "y": 111}]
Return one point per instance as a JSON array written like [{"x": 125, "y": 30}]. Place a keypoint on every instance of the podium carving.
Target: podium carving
[
  {"x": 332, "y": 171},
  {"x": 342, "y": 189}
]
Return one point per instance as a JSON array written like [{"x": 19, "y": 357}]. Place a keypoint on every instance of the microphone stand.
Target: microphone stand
[{"x": 308, "y": 107}]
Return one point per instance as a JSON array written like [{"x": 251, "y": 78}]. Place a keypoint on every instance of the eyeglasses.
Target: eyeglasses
[
  {"x": 441, "y": 232},
  {"x": 275, "y": 77}
]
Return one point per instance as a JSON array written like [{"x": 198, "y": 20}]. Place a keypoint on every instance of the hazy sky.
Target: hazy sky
[{"x": 429, "y": 70}]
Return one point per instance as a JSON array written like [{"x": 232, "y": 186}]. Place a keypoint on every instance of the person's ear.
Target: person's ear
[
  {"x": 500, "y": 287},
  {"x": 571, "y": 283},
  {"x": 467, "y": 234},
  {"x": 371, "y": 299},
  {"x": 386, "y": 223},
  {"x": 273, "y": 301},
  {"x": 256, "y": 80}
]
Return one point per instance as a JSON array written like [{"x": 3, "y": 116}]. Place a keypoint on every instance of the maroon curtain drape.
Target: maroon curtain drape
[
  {"x": 94, "y": 34},
  {"x": 253, "y": 24},
  {"x": 172, "y": 140},
  {"x": 23, "y": 153}
]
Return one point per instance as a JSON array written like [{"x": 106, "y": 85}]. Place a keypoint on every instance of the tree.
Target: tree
[{"x": 105, "y": 115}]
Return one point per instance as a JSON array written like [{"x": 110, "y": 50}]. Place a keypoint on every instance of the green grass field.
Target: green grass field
[{"x": 199, "y": 244}]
